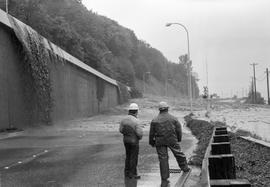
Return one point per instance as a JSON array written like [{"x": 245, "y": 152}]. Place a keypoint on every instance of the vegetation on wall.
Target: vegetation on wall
[
  {"x": 91, "y": 37},
  {"x": 35, "y": 74}
]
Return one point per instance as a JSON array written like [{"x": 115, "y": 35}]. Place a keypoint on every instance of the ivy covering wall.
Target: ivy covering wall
[{"x": 35, "y": 74}]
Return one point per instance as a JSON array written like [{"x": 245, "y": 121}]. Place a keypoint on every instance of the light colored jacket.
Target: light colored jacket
[{"x": 131, "y": 128}]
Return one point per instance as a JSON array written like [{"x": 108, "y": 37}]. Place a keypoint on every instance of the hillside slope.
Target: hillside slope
[
  {"x": 155, "y": 87},
  {"x": 99, "y": 41}
]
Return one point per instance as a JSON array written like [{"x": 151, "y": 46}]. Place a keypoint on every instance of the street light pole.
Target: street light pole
[
  {"x": 7, "y": 6},
  {"x": 267, "y": 80},
  {"x": 189, "y": 62}
]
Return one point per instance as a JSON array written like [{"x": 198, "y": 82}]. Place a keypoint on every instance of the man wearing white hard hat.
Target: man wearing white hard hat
[
  {"x": 132, "y": 132},
  {"x": 166, "y": 132}
]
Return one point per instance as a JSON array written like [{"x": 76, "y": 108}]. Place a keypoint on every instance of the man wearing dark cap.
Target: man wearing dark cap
[{"x": 166, "y": 132}]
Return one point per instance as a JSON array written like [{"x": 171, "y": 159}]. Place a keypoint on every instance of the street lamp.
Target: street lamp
[
  {"x": 189, "y": 63},
  {"x": 148, "y": 72},
  {"x": 7, "y": 6}
]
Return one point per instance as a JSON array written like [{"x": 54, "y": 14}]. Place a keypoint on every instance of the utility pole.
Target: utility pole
[
  {"x": 252, "y": 90},
  {"x": 254, "y": 82},
  {"x": 206, "y": 64},
  {"x": 267, "y": 76},
  {"x": 208, "y": 98}
]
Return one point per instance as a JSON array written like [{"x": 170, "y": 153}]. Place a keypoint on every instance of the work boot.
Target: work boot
[
  {"x": 136, "y": 177},
  {"x": 165, "y": 183}
]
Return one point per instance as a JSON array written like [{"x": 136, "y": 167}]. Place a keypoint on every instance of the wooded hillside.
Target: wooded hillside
[{"x": 99, "y": 41}]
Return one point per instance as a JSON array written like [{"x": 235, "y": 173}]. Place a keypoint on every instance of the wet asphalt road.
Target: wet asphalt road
[
  {"x": 74, "y": 158},
  {"x": 71, "y": 160}
]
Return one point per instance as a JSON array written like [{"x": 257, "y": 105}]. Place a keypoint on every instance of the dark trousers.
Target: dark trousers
[
  {"x": 163, "y": 157},
  {"x": 132, "y": 152}
]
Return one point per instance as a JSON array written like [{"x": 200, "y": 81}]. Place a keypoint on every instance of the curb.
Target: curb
[{"x": 260, "y": 142}]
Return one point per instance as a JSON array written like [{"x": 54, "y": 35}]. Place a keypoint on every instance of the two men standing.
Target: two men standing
[{"x": 165, "y": 132}]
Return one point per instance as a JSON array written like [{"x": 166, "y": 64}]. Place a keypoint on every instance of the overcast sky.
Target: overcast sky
[{"x": 228, "y": 34}]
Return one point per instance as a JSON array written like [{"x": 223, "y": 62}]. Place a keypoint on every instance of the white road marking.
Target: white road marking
[{"x": 29, "y": 159}]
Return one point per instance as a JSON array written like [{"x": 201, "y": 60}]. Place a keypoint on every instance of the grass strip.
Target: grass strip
[{"x": 202, "y": 130}]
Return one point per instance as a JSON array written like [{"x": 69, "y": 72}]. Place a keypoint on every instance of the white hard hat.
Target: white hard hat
[
  {"x": 133, "y": 106},
  {"x": 163, "y": 105}
]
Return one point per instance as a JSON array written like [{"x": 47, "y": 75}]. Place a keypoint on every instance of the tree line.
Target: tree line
[{"x": 100, "y": 42}]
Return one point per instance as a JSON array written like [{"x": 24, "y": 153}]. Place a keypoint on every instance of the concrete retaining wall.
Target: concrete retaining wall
[
  {"x": 74, "y": 87},
  {"x": 12, "y": 105},
  {"x": 75, "y": 92}
]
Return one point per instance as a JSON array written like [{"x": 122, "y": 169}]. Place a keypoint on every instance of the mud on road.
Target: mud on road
[{"x": 84, "y": 152}]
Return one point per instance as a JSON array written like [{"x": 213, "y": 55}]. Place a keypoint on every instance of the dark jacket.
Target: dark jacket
[
  {"x": 165, "y": 129},
  {"x": 130, "y": 127}
]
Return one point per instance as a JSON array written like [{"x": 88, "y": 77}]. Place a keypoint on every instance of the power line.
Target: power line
[
  {"x": 252, "y": 89},
  {"x": 261, "y": 79}
]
